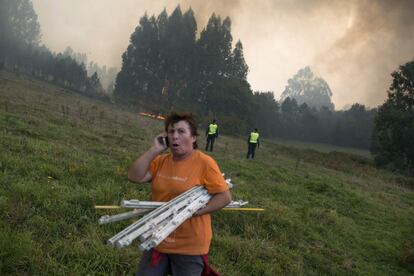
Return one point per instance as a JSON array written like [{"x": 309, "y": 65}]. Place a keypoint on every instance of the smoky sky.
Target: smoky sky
[{"x": 354, "y": 45}]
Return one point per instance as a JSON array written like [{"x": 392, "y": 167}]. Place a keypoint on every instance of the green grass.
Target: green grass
[
  {"x": 327, "y": 210},
  {"x": 321, "y": 147}
]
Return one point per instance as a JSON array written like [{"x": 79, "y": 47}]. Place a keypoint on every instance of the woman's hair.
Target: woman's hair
[{"x": 175, "y": 117}]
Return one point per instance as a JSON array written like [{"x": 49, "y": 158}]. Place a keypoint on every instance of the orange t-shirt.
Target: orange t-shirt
[{"x": 171, "y": 178}]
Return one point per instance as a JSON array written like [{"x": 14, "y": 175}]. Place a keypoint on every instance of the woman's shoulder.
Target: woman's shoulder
[
  {"x": 204, "y": 157},
  {"x": 163, "y": 157}
]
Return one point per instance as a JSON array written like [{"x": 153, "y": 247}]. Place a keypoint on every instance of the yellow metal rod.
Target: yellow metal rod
[
  {"x": 226, "y": 209},
  {"x": 107, "y": 207},
  {"x": 244, "y": 209}
]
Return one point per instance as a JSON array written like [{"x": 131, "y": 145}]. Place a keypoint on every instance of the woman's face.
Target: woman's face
[{"x": 180, "y": 139}]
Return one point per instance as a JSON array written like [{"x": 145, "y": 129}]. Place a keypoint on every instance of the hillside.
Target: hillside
[{"x": 327, "y": 212}]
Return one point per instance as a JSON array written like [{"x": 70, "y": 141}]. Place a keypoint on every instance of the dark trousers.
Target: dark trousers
[
  {"x": 210, "y": 141},
  {"x": 174, "y": 264},
  {"x": 251, "y": 150}
]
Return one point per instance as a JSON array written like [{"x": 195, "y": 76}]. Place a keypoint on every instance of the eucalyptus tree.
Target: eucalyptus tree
[
  {"x": 19, "y": 29},
  {"x": 135, "y": 81},
  {"x": 266, "y": 114},
  {"x": 393, "y": 135},
  {"x": 289, "y": 118},
  {"x": 354, "y": 127},
  {"x": 305, "y": 87},
  {"x": 178, "y": 51},
  {"x": 214, "y": 55},
  {"x": 238, "y": 67}
]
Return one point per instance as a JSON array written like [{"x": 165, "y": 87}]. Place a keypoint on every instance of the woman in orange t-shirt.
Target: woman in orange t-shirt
[{"x": 183, "y": 252}]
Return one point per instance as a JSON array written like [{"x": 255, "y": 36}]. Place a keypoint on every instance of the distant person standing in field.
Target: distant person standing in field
[
  {"x": 212, "y": 134},
  {"x": 252, "y": 142}
]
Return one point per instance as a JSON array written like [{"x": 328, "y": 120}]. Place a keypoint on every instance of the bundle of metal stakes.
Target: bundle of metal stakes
[{"x": 164, "y": 218}]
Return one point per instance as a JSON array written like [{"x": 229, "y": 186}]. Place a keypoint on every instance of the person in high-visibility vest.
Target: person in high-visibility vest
[
  {"x": 252, "y": 141},
  {"x": 211, "y": 134}
]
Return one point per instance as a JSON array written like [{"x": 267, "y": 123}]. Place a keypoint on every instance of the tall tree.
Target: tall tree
[
  {"x": 214, "y": 48},
  {"x": 178, "y": 51},
  {"x": 354, "y": 127},
  {"x": 238, "y": 67},
  {"x": 232, "y": 101},
  {"x": 304, "y": 87},
  {"x": 18, "y": 22},
  {"x": 266, "y": 114},
  {"x": 188, "y": 64},
  {"x": 19, "y": 29},
  {"x": 94, "y": 84},
  {"x": 290, "y": 118},
  {"x": 158, "y": 64},
  {"x": 394, "y": 125},
  {"x": 214, "y": 56},
  {"x": 308, "y": 123},
  {"x": 138, "y": 80}
]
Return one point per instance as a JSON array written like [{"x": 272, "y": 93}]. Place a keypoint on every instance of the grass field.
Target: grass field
[
  {"x": 321, "y": 147},
  {"x": 326, "y": 211}
]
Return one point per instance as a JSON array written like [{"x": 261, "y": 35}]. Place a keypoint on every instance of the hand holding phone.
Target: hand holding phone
[{"x": 163, "y": 140}]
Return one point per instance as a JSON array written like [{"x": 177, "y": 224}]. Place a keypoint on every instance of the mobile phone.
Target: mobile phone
[{"x": 163, "y": 140}]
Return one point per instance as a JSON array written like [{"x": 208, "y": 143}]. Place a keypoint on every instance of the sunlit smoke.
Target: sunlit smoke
[{"x": 354, "y": 45}]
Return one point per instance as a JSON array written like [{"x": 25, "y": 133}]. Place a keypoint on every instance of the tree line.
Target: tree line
[
  {"x": 167, "y": 67},
  {"x": 106, "y": 75},
  {"x": 20, "y": 51}
]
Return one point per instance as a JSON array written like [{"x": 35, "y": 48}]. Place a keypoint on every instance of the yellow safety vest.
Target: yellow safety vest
[
  {"x": 254, "y": 136},
  {"x": 212, "y": 128}
]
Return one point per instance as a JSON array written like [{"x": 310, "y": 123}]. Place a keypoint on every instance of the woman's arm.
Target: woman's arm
[
  {"x": 139, "y": 171},
  {"x": 217, "y": 202}
]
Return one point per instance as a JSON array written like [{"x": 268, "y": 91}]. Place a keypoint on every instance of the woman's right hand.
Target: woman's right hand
[
  {"x": 139, "y": 171},
  {"x": 159, "y": 144}
]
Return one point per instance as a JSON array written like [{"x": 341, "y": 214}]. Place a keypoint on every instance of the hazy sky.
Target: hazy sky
[{"x": 353, "y": 44}]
